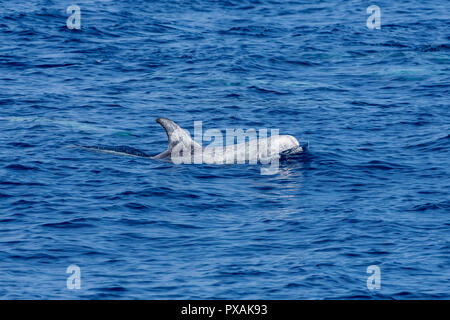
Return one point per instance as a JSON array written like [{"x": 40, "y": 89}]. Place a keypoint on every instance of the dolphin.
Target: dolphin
[{"x": 183, "y": 149}]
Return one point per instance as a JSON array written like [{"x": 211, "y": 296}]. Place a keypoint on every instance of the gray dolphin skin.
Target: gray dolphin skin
[
  {"x": 177, "y": 138},
  {"x": 183, "y": 149}
]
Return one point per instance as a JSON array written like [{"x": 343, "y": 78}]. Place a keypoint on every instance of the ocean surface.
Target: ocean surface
[{"x": 372, "y": 189}]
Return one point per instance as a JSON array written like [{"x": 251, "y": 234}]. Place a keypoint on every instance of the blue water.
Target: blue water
[{"x": 372, "y": 189}]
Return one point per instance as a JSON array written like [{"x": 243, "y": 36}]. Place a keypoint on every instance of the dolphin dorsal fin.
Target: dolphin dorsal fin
[
  {"x": 175, "y": 133},
  {"x": 169, "y": 126}
]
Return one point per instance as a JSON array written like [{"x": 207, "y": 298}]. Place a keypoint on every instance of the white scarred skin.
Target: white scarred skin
[
  {"x": 254, "y": 151},
  {"x": 182, "y": 149}
]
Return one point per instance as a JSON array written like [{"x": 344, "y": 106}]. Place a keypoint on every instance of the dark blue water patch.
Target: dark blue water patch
[
  {"x": 67, "y": 225},
  {"x": 113, "y": 289},
  {"x": 4, "y": 195},
  {"x": 20, "y": 144},
  {"x": 19, "y": 167},
  {"x": 445, "y": 205}
]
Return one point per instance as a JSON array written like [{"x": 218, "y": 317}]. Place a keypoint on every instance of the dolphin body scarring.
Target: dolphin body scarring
[{"x": 183, "y": 149}]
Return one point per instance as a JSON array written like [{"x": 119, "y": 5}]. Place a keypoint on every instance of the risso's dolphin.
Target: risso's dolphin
[{"x": 183, "y": 149}]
